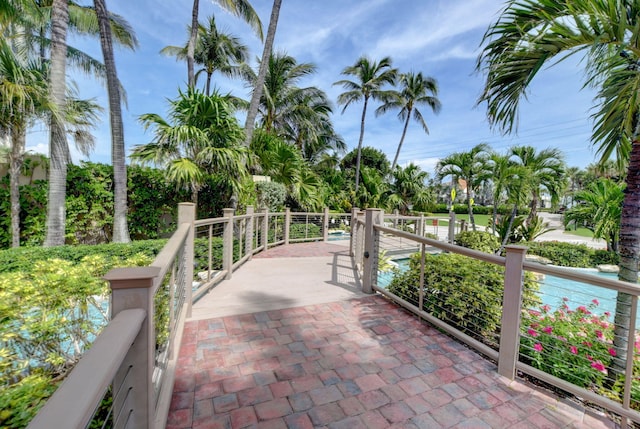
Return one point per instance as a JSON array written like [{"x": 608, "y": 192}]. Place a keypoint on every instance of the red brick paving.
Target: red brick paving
[
  {"x": 304, "y": 250},
  {"x": 362, "y": 363}
]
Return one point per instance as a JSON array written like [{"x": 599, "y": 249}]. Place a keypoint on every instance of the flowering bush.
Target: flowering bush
[{"x": 574, "y": 345}]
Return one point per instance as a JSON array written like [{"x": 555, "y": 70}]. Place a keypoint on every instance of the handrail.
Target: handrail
[{"x": 85, "y": 385}]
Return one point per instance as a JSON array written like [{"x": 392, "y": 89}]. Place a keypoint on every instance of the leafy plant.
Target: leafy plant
[
  {"x": 464, "y": 292},
  {"x": 562, "y": 254},
  {"x": 478, "y": 240}
]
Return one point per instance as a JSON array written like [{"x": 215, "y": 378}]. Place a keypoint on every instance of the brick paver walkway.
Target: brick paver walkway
[{"x": 362, "y": 363}]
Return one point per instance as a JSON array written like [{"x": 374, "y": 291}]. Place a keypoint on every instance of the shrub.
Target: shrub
[
  {"x": 562, "y": 254},
  {"x": 300, "y": 231},
  {"x": 604, "y": 257},
  {"x": 478, "y": 240},
  {"x": 464, "y": 292},
  {"x": 574, "y": 345}
]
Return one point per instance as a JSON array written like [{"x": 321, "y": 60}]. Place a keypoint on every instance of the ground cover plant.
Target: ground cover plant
[{"x": 51, "y": 309}]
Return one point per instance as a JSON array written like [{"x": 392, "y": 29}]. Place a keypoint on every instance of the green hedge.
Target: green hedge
[
  {"x": 478, "y": 240},
  {"x": 464, "y": 292},
  {"x": 488, "y": 210}
]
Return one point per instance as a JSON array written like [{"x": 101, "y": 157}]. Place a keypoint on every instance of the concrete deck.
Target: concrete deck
[{"x": 290, "y": 342}]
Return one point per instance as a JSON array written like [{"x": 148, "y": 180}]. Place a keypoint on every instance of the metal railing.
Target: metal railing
[{"x": 510, "y": 322}]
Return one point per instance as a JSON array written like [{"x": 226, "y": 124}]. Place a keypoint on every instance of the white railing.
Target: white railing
[{"x": 507, "y": 345}]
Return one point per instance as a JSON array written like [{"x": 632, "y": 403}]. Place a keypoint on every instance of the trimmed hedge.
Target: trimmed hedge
[
  {"x": 487, "y": 210},
  {"x": 478, "y": 240}
]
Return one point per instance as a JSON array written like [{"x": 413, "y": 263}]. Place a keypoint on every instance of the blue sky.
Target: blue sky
[{"x": 437, "y": 37}]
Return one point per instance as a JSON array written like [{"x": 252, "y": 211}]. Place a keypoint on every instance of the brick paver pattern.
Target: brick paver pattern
[{"x": 362, "y": 363}]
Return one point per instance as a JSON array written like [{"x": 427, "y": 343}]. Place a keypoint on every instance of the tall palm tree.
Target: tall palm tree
[
  {"x": 239, "y": 8},
  {"x": 415, "y": 90},
  {"x": 472, "y": 167},
  {"x": 58, "y": 147},
  {"x": 254, "y": 104},
  {"x": 370, "y": 76},
  {"x": 120, "y": 227},
  {"x": 23, "y": 94},
  {"x": 546, "y": 173},
  {"x": 215, "y": 51},
  {"x": 529, "y": 34},
  {"x": 201, "y": 137}
]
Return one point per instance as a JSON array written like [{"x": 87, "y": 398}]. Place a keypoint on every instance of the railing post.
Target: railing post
[
  {"x": 265, "y": 229},
  {"x": 371, "y": 245},
  {"x": 287, "y": 224},
  {"x": 325, "y": 225},
  {"x": 420, "y": 228},
  {"x": 511, "y": 306},
  {"x": 396, "y": 213},
  {"x": 452, "y": 226},
  {"x": 227, "y": 243},
  {"x": 187, "y": 214},
  {"x": 133, "y": 288},
  {"x": 248, "y": 241},
  {"x": 353, "y": 233}
]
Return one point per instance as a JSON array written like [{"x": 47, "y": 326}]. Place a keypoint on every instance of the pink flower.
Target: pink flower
[
  {"x": 599, "y": 366},
  {"x": 547, "y": 329},
  {"x": 590, "y": 358},
  {"x": 546, "y": 308},
  {"x": 532, "y": 332},
  {"x": 587, "y": 343},
  {"x": 561, "y": 338},
  {"x": 538, "y": 347},
  {"x": 583, "y": 309},
  {"x": 565, "y": 299},
  {"x": 599, "y": 334},
  {"x": 612, "y": 352},
  {"x": 595, "y": 301},
  {"x": 574, "y": 350},
  {"x": 607, "y": 313}
]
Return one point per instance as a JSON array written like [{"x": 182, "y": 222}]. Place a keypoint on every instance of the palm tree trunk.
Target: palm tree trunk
[
  {"x": 505, "y": 240},
  {"x": 15, "y": 165},
  {"x": 58, "y": 147},
  {"x": 629, "y": 257},
  {"x": 359, "y": 156},
  {"x": 404, "y": 133},
  {"x": 120, "y": 227},
  {"x": 470, "y": 207},
  {"x": 191, "y": 45},
  {"x": 208, "y": 87},
  {"x": 262, "y": 73}
]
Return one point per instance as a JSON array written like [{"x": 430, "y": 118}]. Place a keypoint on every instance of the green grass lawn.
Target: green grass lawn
[
  {"x": 481, "y": 219},
  {"x": 581, "y": 232}
]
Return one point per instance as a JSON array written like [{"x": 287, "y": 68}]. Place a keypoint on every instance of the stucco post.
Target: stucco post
[
  {"x": 248, "y": 241},
  {"x": 287, "y": 224},
  {"x": 371, "y": 245},
  {"x": 227, "y": 243},
  {"x": 452, "y": 226},
  {"x": 352, "y": 231},
  {"x": 265, "y": 230},
  {"x": 325, "y": 225},
  {"x": 133, "y": 288},
  {"x": 511, "y": 306},
  {"x": 187, "y": 214}
]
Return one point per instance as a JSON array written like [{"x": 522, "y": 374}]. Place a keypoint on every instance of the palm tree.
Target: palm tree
[
  {"x": 201, "y": 137},
  {"x": 529, "y": 34},
  {"x": 240, "y": 8},
  {"x": 598, "y": 208},
  {"x": 262, "y": 73},
  {"x": 370, "y": 76},
  {"x": 472, "y": 167},
  {"x": 415, "y": 90},
  {"x": 215, "y": 51},
  {"x": 120, "y": 228},
  {"x": 58, "y": 147},
  {"x": 23, "y": 95},
  {"x": 546, "y": 173},
  {"x": 408, "y": 188},
  {"x": 502, "y": 173}
]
